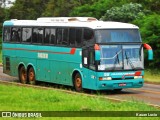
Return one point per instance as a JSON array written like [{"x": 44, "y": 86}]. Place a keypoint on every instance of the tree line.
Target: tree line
[{"x": 144, "y": 13}]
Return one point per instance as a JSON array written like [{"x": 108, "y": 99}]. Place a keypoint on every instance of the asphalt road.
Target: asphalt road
[{"x": 149, "y": 93}]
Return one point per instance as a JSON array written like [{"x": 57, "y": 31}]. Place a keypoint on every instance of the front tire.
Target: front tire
[
  {"x": 22, "y": 75},
  {"x": 31, "y": 76},
  {"x": 78, "y": 83}
]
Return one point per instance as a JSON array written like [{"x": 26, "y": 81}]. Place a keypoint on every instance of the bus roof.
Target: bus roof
[{"x": 89, "y": 22}]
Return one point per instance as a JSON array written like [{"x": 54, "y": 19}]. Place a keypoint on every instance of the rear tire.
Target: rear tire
[
  {"x": 22, "y": 75},
  {"x": 31, "y": 76},
  {"x": 78, "y": 83}
]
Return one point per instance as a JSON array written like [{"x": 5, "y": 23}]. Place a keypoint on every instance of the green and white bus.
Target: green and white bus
[{"x": 76, "y": 51}]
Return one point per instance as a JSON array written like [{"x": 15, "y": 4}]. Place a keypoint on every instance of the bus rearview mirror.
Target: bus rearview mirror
[
  {"x": 150, "y": 51},
  {"x": 97, "y": 55}
]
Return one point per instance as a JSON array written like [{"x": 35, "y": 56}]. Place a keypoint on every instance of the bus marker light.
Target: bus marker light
[
  {"x": 105, "y": 78},
  {"x": 138, "y": 77},
  {"x": 138, "y": 73}
]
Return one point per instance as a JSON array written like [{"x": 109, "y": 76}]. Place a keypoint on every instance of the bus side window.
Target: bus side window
[
  {"x": 50, "y": 36},
  {"x": 37, "y": 36},
  {"x": 15, "y": 34},
  {"x": 53, "y": 36},
  {"x": 26, "y": 34},
  {"x": 59, "y": 36},
  {"x": 47, "y": 36},
  {"x": 6, "y": 34},
  {"x": 88, "y": 36},
  {"x": 78, "y": 37},
  {"x": 72, "y": 36},
  {"x": 62, "y": 36},
  {"x": 75, "y": 36}
]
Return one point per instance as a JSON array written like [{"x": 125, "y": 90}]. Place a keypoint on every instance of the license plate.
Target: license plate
[{"x": 122, "y": 84}]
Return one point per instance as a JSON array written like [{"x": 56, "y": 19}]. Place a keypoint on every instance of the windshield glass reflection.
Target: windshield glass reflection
[
  {"x": 121, "y": 57},
  {"x": 122, "y": 35}
]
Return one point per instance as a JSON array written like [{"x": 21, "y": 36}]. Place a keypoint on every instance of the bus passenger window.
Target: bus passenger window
[
  {"x": 7, "y": 34},
  {"x": 50, "y": 36},
  {"x": 88, "y": 36},
  {"x": 26, "y": 34},
  {"x": 15, "y": 34},
  {"x": 78, "y": 37},
  {"x": 75, "y": 36},
  {"x": 62, "y": 36},
  {"x": 72, "y": 36},
  {"x": 37, "y": 36},
  {"x": 59, "y": 36}
]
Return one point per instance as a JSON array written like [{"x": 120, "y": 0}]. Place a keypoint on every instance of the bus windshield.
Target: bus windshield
[
  {"x": 121, "y": 57},
  {"x": 120, "y": 35}
]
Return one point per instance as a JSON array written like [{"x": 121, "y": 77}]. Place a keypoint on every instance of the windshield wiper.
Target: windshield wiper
[
  {"x": 117, "y": 59},
  {"x": 129, "y": 60}
]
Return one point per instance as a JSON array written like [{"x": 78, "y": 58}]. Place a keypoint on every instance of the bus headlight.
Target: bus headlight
[
  {"x": 105, "y": 78},
  {"x": 138, "y": 77}
]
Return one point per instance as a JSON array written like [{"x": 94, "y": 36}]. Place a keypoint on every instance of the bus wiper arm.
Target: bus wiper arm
[
  {"x": 117, "y": 59},
  {"x": 129, "y": 60}
]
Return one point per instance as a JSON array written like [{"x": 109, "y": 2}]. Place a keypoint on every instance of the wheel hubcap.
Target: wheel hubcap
[
  {"x": 31, "y": 76},
  {"x": 78, "y": 82},
  {"x": 23, "y": 76}
]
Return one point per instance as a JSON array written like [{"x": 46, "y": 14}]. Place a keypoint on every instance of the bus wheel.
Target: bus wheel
[
  {"x": 23, "y": 75},
  {"x": 78, "y": 82},
  {"x": 31, "y": 76}
]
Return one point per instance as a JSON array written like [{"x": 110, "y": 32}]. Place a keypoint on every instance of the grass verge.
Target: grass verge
[
  {"x": 17, "y": 98},
  {"x": 152, "y": 76}
]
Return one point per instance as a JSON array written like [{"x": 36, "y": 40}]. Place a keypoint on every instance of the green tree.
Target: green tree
[
  {"x": 2, "y": 17},
  {"x": 27, "y": 9},
  {"x": 96, "y": 8},
  {"x": 125, "y": 13},
  {"x": 59, "y": 8},
  {"x": 150, "y": 32}
]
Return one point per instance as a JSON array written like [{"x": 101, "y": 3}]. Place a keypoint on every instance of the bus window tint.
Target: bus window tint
[
  {"x": 62, "y": 36},
  {"x": 78, "y": 37},
  {"x": 88, "y": 36},
  {"x": 7, "y": 34},
  {"x": 37, "y": 36},
  {"x": 26, "y": 34},
  {"x": 75, "y": 37},
  {"x": 15, "y": 34},
  {"x": 50, "y": 36},
  {"x": 72, "y": 36}
]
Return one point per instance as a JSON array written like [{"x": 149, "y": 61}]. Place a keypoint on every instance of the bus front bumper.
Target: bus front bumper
[{"x": 119, "y": 84}]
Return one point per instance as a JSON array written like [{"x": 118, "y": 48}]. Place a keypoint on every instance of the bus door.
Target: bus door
[{"x": 88, "y": 56}]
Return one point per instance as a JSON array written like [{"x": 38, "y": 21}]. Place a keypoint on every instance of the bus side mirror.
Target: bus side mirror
[
  {"x": 97, "y": 55},
  {"x": 97, "y": 52},
  {"x": 150, "y": 51}
]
